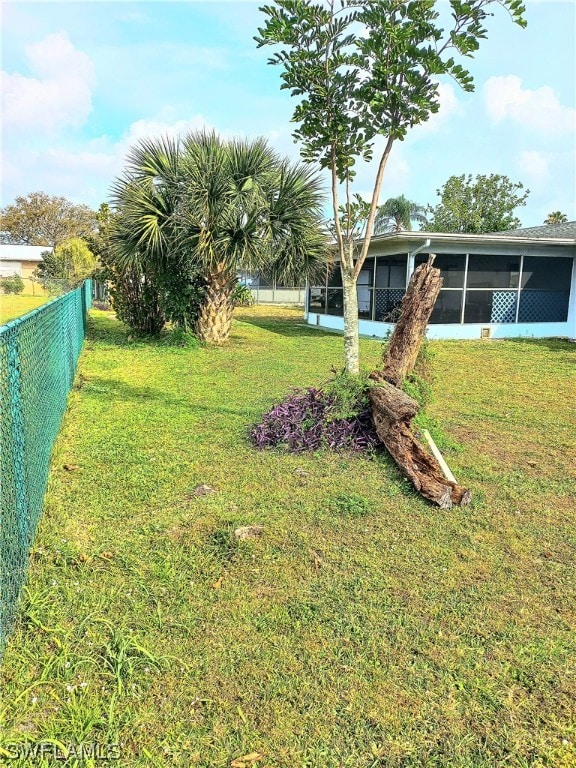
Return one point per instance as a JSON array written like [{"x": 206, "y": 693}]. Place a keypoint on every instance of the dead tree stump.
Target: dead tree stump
[{"x": 393, "y": 410}]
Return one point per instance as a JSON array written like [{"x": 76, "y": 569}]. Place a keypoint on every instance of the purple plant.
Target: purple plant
[{"x": 304, "y": 422}]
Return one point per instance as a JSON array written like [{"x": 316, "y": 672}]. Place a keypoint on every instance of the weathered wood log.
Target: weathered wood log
[
  {"x": 407, "y": 337},
  {"x": 393, "y": 410},
  {"x": 420, "y": 467}
]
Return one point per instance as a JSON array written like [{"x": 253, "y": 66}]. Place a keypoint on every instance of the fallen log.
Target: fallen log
[{"x": 393, "y": 410}]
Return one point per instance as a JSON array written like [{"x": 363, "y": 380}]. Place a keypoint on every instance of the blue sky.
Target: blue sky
[{"x": 82, "y": 81}]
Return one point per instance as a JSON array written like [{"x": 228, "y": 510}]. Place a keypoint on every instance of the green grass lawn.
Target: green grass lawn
[
  {"x": 363, "y": 628},
  {"x": 12, "y": 306}
]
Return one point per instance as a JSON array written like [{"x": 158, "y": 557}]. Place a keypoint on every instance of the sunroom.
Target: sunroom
[{"x": 503, "y": 285}]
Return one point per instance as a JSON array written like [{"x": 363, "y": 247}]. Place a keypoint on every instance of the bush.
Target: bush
[
  {"x": 242, "y": 296},
  {"x": 146, "y": 299},
  {"x": 336, "y": 417},
  {"x": 13, "y": 284},
  {"x": 136, "y": 302},
  {"x": 180, "y": 337},
  {"x": 349, "y": 394},
  {"x": 180, "y": 295}
]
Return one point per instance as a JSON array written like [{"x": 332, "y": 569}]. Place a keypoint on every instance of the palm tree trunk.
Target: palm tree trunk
[{"x": 215, "y": 316}]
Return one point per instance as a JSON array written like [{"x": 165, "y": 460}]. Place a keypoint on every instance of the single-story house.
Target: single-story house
[
  {"x": 501, "y": 285},
  {"x": 22, "y": 260}
]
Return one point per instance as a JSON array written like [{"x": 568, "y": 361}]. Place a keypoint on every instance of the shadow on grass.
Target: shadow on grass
[
  {"x": 554, "y": 344},
  {"x": 105, "y": 327},
  {"x": 284, "y": 327},
  {"x": 114, "y": 390}
]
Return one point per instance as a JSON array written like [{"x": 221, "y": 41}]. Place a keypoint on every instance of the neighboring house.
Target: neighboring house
[
  {"x": 23, "y": 260},
  {"x": 20, "y": 259},
  {"x": 501, "y": 285}
]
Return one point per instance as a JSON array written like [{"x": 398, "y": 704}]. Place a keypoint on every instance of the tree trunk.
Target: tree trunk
[
  {"x": 408, "y": 335},
  {"x": 351, "y": 343},
  {"x": 215, "y": 316},
  {"x": 393, "y": 410}
]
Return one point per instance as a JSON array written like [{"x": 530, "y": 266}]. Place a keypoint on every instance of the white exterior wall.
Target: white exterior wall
[
  {"x": 8, "y": 268},
  {"x": 468, "y": 331}
]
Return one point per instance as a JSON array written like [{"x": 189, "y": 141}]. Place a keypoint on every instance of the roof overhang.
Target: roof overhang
[{"x": 466, "y": 239}]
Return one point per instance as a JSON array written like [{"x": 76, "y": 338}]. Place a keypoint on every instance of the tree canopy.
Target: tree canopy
[
  {"x": 397, "y": 214},
  {"x": 478, "y": 205},
  {"x": 556, "y": 217},
  {"x": 41, "y": 219},
  {"x": 205, "y": 205},
  {"x": 67, "y": 265},
  {"x": 361, "y": 70}
]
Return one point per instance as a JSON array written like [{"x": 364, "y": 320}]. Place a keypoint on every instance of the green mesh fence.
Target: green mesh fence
[{"x": 38, "y": 355}]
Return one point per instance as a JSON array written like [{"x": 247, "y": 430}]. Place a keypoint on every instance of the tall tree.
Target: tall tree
[
  {"x": 99, "y": 239},
  {"x": 67, "y": 265},
  {"x": 475, "y": 206},
  {"x": 556, "y": 217},
  {"x": 363, "y": 69},
  {"x": 218, "y": 207},
  {"x": 397, "y": 214},
  {"x": 41, "y": 219}
]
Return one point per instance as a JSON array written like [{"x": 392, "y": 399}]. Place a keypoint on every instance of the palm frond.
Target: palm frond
[{"x": 222, "y": 205}]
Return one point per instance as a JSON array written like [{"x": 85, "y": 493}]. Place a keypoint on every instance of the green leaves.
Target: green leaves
[
  {"x": 205, "y": 203},
  {"x": 41, "y": 219},
  {"x": 361, "y": 69},
  {"x": 482, "y": 204},
  {"x": 397, "y": 214},
  {"x": 71, "y": 262},
  {"x": 368, "y": 68}
]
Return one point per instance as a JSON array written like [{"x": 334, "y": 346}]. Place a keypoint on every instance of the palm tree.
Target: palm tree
[
  {"x": 397, "y": 214},
  {"x": 556, "y": 217},
  {"x": 220, "y": 207}
]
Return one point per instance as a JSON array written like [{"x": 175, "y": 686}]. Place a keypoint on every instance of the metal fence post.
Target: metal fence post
[{"x": 84, "y": 289}]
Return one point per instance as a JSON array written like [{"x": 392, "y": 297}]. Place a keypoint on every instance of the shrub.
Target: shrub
[
  {"x": 180, "y": 337},
  {"x": 146, "y": 299},
  {"x": 136, "y": 302},
  {"x": 349, "y": 393},
  {"x": 337, "y": 417},
  {"x": 242, "y": 296},
  {"x": 13, "y": 284}
]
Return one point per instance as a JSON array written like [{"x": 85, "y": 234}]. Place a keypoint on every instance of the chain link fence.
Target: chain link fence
[{"x": 38, "y": 356}]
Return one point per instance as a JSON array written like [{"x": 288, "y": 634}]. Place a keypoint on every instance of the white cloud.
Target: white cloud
[
  {"x": 63, "y": 170},
  {"x": 533, "y": 166},
  {"x": 59, "y": 96},
  {"x": 159, "y": 126},
  {"x": 539, "y": 109}
]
